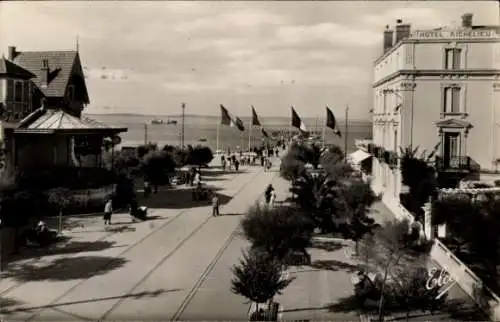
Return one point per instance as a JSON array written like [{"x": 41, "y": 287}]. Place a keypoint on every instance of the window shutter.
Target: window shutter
[
  {"x": 456, "y": 58},
  {"x": 455, "y": 108},
  {"x": 10, "y": 89}
]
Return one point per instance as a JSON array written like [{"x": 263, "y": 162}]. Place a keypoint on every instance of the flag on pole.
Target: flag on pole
[
  {"x": 255, "y": 118},
  {"x": 297, "y": 121},
  {"x": 331, "y": 122},
  {"x": 264, "y": 132},
  {"x": 239, "y": 124},
  {"x": 227, "y": 119}
]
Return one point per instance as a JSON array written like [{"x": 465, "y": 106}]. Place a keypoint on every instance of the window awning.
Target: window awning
[{"x": 358, "y": 156}]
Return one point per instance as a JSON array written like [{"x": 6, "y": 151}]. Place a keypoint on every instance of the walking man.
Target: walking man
[{"x": 215, "y": 204}]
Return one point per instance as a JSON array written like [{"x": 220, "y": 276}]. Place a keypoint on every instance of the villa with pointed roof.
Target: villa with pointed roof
[{"x": 42, "y": 96}]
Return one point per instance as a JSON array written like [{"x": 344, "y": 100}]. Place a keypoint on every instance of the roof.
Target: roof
[
  {"x": 10, "y": 69},
  {"x": 51, "y": 121},
  {"x": 358, "y": 156},
  {"x": 60, "y": 64},
  {"x": 454, "y": 123}
]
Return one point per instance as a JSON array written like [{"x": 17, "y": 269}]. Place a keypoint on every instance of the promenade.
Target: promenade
[
  {"x": 176, "y": 266},
  {"x": 158, "y": 269}
]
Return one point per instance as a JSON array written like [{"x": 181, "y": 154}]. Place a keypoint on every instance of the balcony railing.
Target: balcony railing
[{"x": 457, "y": 163}]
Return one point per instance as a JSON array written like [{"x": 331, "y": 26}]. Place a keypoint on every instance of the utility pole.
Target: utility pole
[
  {"x": 183, "y": 106},
  {"x": 346, "y": 133},
  {"x": 145, "y": 133}
]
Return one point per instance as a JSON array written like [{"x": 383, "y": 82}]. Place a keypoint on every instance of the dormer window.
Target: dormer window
[
  {"x": 71, "y": 92},
  {"x": 18, "y": 91}
]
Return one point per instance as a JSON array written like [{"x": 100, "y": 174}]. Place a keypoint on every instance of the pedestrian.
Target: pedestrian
[
  {"x": 268, "y": 192},
  {"x": 215, "y": 204},
  {"x": 236, "y": 165},
  {"x": 108, "y": 211},
  {"x": 272, "y": 198}
]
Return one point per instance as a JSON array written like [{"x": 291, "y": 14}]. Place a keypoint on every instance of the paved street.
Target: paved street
[{"x": 145, "y": 270}]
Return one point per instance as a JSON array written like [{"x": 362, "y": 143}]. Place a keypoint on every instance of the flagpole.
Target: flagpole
[
  {"x": 218, "y": 125},
  {"x": 346, "y": 129},
  {"x": 250, "y": 134},
  {"x": 324, "y": 133}
]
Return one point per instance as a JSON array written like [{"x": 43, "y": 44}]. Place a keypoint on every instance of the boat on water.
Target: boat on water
[
  {"x": 157, "y": 121},
  {"x": 160, "y": 121},
  {"x": 202, "y": 140}
]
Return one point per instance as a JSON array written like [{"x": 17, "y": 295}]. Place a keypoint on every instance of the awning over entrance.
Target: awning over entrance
[
  {"x": 48, "y": 121},
  {"x": 359, "y": 156}
]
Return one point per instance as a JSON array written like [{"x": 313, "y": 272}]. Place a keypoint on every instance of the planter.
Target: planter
[{"x": 270, "y": 311}]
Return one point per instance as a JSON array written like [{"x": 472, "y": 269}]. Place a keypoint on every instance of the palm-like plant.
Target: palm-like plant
[{"x": 315, "y": 194}]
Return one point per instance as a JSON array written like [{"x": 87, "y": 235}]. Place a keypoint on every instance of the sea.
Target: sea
[{"x": 203, "y": 130}]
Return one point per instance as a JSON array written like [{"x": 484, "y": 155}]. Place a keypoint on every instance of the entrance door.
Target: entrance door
[{"x": 451, "y": 149}]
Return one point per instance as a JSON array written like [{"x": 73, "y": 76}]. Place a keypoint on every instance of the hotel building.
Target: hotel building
[{"x": 437, "y": 88}]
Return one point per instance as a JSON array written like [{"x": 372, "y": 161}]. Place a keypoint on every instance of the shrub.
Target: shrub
[
  {"x": 291, "y": 169},
  {"x": 157, "y": 166},
  {"x": 386, "y": 253},
  {"x": 258, "y": 278},
  {"x": 199, "y": 155},
  {"x": 277, "y": 231}
]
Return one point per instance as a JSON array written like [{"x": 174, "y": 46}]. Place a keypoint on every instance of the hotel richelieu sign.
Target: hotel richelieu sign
[{"x": 454, "y": 34}]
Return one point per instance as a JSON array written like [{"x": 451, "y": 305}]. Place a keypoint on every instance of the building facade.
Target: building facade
[
  {"x": 438, "y": 90},
  {"x": 42, "y": 96}
]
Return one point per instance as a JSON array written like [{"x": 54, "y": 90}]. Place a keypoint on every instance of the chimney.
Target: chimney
[
  {"x": 12, "y": 53},
  {"x": 46, "y": 70},
  {"x": 467, "y": 20},
  {"x": 388, "y": 37},
  {"x": 402, "y": 31}
]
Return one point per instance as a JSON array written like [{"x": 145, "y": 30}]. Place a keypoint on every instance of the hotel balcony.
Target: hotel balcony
[{"x": 463, "y": 164}]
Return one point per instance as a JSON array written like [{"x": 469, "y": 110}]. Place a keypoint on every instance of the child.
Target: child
[
  {"x": 108, "y": 211},
  {"x": 215, "y": 204}
]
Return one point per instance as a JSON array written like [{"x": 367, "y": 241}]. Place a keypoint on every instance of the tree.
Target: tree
[
  {"x": 199, "y": 155},
  {"x": 258, "y": 278},
  {"x": 60, "y": 198},
  {"x": 291, "y": 168},
  {"x": 278, "y": 230},
  {"x": 386, "y": 253},
  {"x": 351, "y": 208},
  {"x": 474, "y": 224},
  {"x": 179, "y": 155},
  {"x": 315, "y": 196},
  {"x": 418, "y": 176},
  {"x": 156, "y": 166}
]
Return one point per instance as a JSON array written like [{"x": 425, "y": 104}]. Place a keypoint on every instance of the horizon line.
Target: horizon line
[{"x": 208, "y": 115}]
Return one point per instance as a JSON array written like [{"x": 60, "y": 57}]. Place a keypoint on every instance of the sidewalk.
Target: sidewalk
[
  {"x": 97, "y": 275},
  {"x": 319, "y": 291}
]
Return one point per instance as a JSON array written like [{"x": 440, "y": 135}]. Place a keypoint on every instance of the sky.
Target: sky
[{"x": 149, "y": 57}]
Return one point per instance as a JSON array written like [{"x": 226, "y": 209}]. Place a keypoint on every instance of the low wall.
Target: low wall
[
  {"x": 467, "y": 280},
  {"x": 396, "y": 208}
]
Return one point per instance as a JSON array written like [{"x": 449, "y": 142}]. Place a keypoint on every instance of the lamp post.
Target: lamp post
[{"x": 183, "y": 106}]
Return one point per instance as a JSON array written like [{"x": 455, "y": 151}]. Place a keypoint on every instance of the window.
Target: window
[
  {"x": 453, "y": 58},
  {"x": 451, "y": 100},
  {"x": 395, "y": 140},
  {"x": 18, "y": 91}
]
